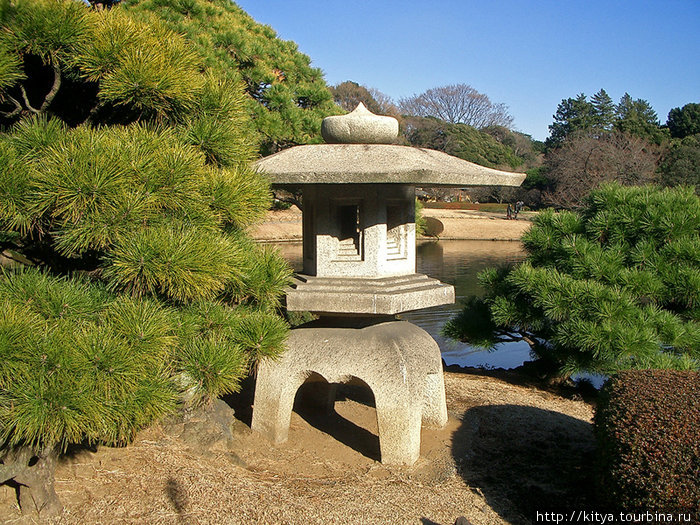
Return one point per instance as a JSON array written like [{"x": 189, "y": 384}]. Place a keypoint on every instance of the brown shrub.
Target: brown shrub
[{"x": 648, "y": 432}]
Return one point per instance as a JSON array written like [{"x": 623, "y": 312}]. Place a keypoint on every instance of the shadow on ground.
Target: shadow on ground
[
  {"x": 525, "y": 459},
  {"x": 328, "y": 421}
]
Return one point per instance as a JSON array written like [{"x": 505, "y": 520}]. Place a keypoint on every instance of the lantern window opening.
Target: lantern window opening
[{"x": 350, "y": 234}]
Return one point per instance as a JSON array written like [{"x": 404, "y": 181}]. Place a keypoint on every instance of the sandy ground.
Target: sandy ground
[
  {"x": 508, "y": 450},
  {"x": 285, "y": 225}
]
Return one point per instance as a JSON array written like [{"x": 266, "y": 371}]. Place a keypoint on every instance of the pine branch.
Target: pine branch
[
  {"x": 14, "y": 112},
  {"x": 93, "y": 113},
  {"x": 26, "y": 101},
  {"x": 293, "y": 199},
  {"x": 50, "y": 95},
  {"x": 56, "y": 86}
]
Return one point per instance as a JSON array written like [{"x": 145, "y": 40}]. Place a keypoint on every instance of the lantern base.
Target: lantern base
[
  {"x": 367, "y": 296},
  {"x": 399, "y": 362}
]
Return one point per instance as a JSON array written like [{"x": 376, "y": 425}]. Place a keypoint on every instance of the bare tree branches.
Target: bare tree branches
[
  {"x": 584, "y": 162},
  {"x": 458, "y": 103},
  {"x": 14, "y": 112},
  {"x": 56, "y": 85}
]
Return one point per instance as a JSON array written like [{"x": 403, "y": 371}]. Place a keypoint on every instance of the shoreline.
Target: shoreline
[{"x": 282, "y": 226}]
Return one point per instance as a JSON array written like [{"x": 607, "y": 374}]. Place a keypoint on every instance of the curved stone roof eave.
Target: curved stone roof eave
[{"x": 378, "y": 163}]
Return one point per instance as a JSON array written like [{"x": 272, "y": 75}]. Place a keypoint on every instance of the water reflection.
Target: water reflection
[{"x": 456, "y": 263}]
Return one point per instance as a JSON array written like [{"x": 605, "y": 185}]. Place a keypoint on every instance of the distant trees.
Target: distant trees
[
  {"x": 573, "y": 115},
  {"x": 349, "y": 94},
  {"x": 579, "y": 116},
  {"x": 457, "y": 104},
  {"x": 583, "y": 162},
  {"x": 681, "y": 163},
  {"x": 593, "y": 141},
  {"x": 637, "y": 117},
  {"x": 460, "y": 140}
]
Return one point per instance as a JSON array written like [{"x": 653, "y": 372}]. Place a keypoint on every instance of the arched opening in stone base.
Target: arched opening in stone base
[{"x": 345, "y": 411}]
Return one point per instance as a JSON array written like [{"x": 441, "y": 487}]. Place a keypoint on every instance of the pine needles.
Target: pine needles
[
  {"x": 129, "y": 187},
  {"x": 614, "y": 287}
]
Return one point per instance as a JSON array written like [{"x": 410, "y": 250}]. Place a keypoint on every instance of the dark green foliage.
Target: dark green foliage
[
  {"x": 603, "y": 111},
  {"x": 460, "y": 140},
  {"x": 573, "y": 115},
  {"x": 536, "y": 179},
  {"x": 637, "y": 117},
  {"x": 581, "y": 117},
  {"x": 613, "y": 287},
  {"x": 684, "y": 121},
  {"x": 648, "y": 430},
  {"x": 521, "y": 145},
  {"x": 285, "y": 95}
]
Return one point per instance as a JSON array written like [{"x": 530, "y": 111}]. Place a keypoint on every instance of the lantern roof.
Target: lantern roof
[{"x": 359, "y": 152}]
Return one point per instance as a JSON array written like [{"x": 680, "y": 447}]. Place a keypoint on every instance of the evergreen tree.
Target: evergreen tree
[
  {"x": 637, "y": 117},
  {"x": 603, "y": 111},
  {"x": 574, "y": 115},
  {"x": 684, "y": 121},
  {"x": 286, "y": 97},
  {"x": 124, "y": 185},
  {"x": 615, "y": 286},
  {"x": 681, "y": 164}
]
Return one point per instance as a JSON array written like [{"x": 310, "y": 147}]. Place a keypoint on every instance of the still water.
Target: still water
[{"x": 456, "y": 263}]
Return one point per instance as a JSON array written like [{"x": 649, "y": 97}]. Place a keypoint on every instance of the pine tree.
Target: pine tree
[
  {"x": 286, "y": 97},
  {"x": 615, "y": 286},
  {"x": 685, "y": 121},
  {"x": 125, "y": 192},
  {"x": 637, "y": 117},
  {"x": 603, "y": 111},
  {"x": 574, "y": 115}
]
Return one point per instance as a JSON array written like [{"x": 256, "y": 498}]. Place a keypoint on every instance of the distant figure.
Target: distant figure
[
  {"x": 518, "y": 207},
  {"x": 509, "y": 212}
]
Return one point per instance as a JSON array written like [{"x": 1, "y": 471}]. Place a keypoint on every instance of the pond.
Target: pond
[{"x": 456, "y": 263}]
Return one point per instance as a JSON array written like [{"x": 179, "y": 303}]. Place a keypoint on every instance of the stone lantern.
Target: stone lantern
[{"x": 359, "y": 257}]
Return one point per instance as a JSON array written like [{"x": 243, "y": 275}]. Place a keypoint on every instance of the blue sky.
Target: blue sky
[{"x": 528, "y": 55}]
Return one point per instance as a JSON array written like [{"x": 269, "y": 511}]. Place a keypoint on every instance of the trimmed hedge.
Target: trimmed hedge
[{"x": 648, "y": 431}]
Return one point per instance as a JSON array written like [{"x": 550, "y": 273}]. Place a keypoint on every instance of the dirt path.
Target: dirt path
[
  {"x": 506, "y": 450},
  {"x": 285, "y": 225}
]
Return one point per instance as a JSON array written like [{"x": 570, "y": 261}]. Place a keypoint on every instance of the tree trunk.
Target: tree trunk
[{"x": 33, "y": 472}]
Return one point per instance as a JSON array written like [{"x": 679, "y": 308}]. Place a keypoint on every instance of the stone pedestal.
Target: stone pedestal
[{"x": 399, "y": 362}]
